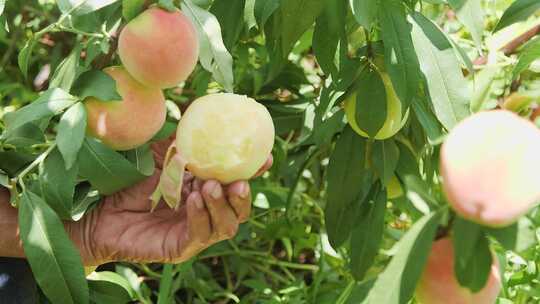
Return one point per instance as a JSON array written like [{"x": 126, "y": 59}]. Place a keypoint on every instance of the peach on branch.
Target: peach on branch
[
  {"x": 489, "y": 164},
  {"x": 159, "y": 48},
  {"x": 439, "y": 285},
  {"x": 131, "y": 122},
  {"x": 394, "y": 113},
  {"x": 394, "y": 189}
]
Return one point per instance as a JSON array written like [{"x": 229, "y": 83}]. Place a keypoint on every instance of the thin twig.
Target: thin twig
[{"x": 512, "y": 46}]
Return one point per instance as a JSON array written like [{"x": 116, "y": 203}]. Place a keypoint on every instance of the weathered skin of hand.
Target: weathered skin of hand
[{"x": 122, "y": 228}]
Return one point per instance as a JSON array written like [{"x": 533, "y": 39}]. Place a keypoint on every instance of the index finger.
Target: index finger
[{"x": 267, "y": 165}]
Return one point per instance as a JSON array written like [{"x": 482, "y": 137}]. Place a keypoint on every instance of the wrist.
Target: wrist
[
  {"x": 81, "y": 233},
  {"x": 10, "y": 243}
]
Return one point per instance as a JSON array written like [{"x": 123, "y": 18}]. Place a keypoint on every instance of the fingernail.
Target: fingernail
[
  {"x": 244, "y": 191},
  {"x": 216, "y": 192},
  {"x": 199, "y": 203}
]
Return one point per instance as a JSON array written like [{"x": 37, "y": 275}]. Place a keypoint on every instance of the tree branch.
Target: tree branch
[{"x": 511, "y": 47}]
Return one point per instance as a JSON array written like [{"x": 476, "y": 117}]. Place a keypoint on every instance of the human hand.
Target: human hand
[{"x": 122, "y": 227}]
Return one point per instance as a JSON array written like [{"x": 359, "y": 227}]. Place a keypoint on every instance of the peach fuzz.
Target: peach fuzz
[
  {"x": 131, "y": 122},
  {"x": 438, "y": 284},
  {"x": 159, "y": 48},
  {"x": 226, "y": 137},
  {"x": 490, "y": 168}
]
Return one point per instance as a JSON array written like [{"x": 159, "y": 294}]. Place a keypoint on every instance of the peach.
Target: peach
[
  {"x": 394, "y": 189},
  {"x": 394, "y": 113},
  {"x": 438, "y": 283},
  {"x": 159, "y": 48},
  {"x": 226, "y": 137},
  {"x": 489, "y": 164},
  {"x": 126, "y": 124}
]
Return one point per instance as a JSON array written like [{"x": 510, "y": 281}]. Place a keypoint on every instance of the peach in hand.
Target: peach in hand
[{"x": 226, "y": 137}]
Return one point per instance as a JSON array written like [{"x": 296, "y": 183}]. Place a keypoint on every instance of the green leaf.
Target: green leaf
[
  {"x": 365, "y": 11},
  {"x": 348, "y": 183},
  {"x": 371, "y": 102},
  {"x": 13, "y": 161},
  {"x": 249, "y": 14},
  {"x": 408, "y": 162},
  {"x": 518, "y": 237},
  {"x": 462, "y": 54},
  {"x": 50, "y": 103},
  {"x": 110, "y": 287},
  {"x": 58, "y": 184},
  {"x": 55, "y": 261},
  {"x": 142, "y": 158},
  {"x": 292, "y": 27},
  {"x": 325, "y": 131},
  {"x": 107, "y": 292},
  {"x": 2, "y": 6},
  {"x": 426, "y": 117},
  {"x": 325, "y": 46},
  {"x": 418, "y": 186},
  {"x": 96, "y": 84},
  {"x": 359, "y": 292},
  {"x": 4, "y": 179},
  {"x": 472, "y": 256},
  {"x": 385, "y": 157},
  {"x": 168, "y": 129},
  {"x": 213, "y": 55},
  {"x": 396, "y": 284},
  {"x": 285, "y": 28},
  {"x": 229, "y": 13},
  {"x": 24, "y": 136},
  {"x": 167, "y": 4},
  {"x": 367, "y": 234},
  {"x": 482, "y": 86},
  {"x": 81, "y": 7},
  {"x": 263, "y": 9},
  {"x": 71, "y": 132},
  {"x": 399, "y": 56},
  {"x": 518, "y": 11},
  {"x": 529, "y": 53},
  {"x": 65, "y": 73},
  {"x": 106, "y": 169},
  {"x": 132, "y": 8},
  {"x": 83, "y": 200},
  {"x": 328, "y": 30},
  {"x": 24, "y": 56},
  {"x": 447, "y": 86},
  {"x": 506, "y": 236},
  {"x": 470, "y": 13}
]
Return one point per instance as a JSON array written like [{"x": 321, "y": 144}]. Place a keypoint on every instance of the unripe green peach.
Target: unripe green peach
[
  {"x": 490, "y": 168},
  {"x": 131, "y": 122},
  {"x": 226, "y": 137},
  {"x": 394, "y": 189},
  {"x": 439, "y": 285},
  {"x": 159, "y": 48},
  {"x": 394, "y": 115}
]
